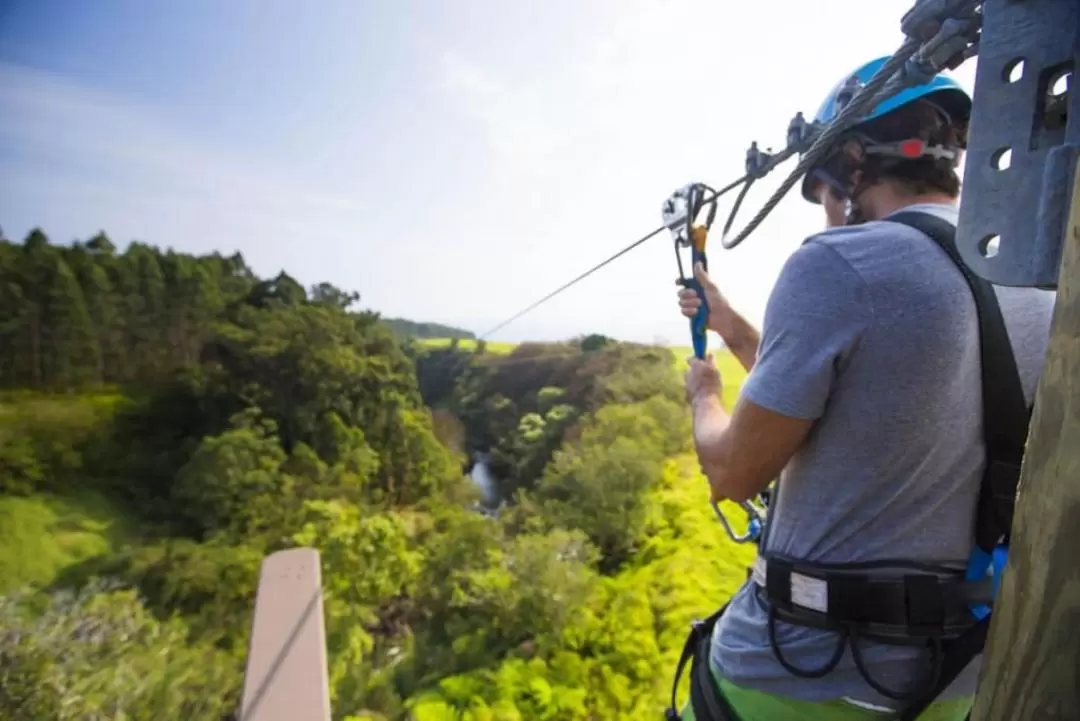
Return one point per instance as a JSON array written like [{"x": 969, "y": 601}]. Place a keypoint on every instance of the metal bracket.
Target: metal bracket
[{"x": 1023, "y": 142}]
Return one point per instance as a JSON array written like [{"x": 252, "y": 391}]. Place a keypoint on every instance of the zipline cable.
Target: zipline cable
[
  {"x": 727, "y": 188},
  {"x": 746, "y": 181},
  {"x": 878, "y": 86},
  {"x": 915, "y": 56},
  {"x": 818, "y": 148}
]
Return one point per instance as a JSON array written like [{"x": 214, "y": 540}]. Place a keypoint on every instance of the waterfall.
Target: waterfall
[{"x": 484, "y": 480}]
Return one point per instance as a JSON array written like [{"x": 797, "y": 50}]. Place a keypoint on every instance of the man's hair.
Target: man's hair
[{"x": 927, "y": 174}]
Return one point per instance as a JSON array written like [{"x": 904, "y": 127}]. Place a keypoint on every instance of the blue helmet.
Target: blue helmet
[{"x": 942, "y": 90}]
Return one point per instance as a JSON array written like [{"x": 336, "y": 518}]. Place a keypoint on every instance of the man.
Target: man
[{"x": 864, "y": 397}]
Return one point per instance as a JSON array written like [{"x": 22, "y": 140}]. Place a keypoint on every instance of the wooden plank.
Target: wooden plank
[
  {"x": 285, "y": 678},
  {"x": 1032, "y": 664}
]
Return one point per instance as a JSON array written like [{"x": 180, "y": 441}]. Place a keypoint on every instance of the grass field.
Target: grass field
[
  {"x": 731, "y": 371},
  {"x": 42, "y": 535},
  {"x": 465, "y": 344}
]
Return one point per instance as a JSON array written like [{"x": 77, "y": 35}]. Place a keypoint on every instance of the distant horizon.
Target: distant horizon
[
  {"x": 551, "y": 338},
  {"x": 466, "y": 157}
]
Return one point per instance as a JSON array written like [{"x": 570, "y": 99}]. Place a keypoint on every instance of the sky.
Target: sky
[{"x": 451, "y": 161}]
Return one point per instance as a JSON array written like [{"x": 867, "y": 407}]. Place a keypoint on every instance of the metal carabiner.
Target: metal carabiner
[
  {"x": 680, "y": 212},
  {"x": 755, "y": 522}
]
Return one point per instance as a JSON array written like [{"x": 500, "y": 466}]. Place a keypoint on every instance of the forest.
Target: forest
[{"x": 166, "y": 420}]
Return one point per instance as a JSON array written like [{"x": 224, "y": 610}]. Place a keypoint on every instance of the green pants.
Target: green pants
[{"x": 753, "y": 705}]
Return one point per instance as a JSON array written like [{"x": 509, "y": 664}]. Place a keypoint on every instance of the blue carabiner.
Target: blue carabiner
[
  {"x": 982, "y": 564},
  {"x": 680, "y": 212},
  {"x": 700, "y": 322}
]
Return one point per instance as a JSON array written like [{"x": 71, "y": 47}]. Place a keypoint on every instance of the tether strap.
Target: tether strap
[
  {"x": 705, "y": 698},
  {"x": 956, "y": 655},
  {"x": 1005, "y": 412}
]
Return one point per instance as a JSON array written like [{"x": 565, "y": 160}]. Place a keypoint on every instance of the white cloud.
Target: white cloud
[
  {"x": 46, "y": 113},
  {"x": 90, "y": 160},
  {"x": 512, "y": 115}
]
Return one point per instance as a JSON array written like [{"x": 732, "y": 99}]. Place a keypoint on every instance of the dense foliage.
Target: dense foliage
[{"x": 167, "y": 420}]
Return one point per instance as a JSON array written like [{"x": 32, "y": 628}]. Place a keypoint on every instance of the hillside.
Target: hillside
[
  {"x": 166, "y": 420},
  {"x": 414, "y": 329}
]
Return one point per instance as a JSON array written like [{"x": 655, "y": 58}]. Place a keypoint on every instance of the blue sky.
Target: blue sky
[{"x": 451, "y": 161}]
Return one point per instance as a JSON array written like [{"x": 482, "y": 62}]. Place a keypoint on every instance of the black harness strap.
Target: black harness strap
[
  {"x": 955, "y": 657},
  {"x": 705, "y": 698},
  {"x": 919, "y": 602},
  {"x": 1006, "y": 417},
  {"x": 1005, "y": 411}
]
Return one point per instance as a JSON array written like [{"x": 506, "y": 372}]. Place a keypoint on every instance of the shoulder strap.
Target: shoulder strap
[
  {"x": 1005, "y": 412},
  {"x": 1005, "y": 426}
]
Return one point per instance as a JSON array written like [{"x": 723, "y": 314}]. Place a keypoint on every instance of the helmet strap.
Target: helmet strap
[
  {"x": 845, "y": 165},
  {"x": 909, "y": 149}
]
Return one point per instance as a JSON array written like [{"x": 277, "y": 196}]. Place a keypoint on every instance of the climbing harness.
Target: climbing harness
[{"x": 680, "y": 213}]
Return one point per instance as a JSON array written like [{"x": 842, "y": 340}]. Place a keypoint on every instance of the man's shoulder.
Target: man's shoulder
[
  {"x": 876, "y": 249},
  {"x": 883, "y": 236},
  {"x": 871, "y": 232}
]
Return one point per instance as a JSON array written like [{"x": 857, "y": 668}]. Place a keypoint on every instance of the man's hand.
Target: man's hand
[
  {"x": 739, "y": 336},
  {"x": 690, "y": 301},
  {"x": 703, "y": 379}
]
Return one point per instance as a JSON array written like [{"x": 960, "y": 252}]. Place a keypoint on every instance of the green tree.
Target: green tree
[
  {"x": 600, "y": 490},
  {"x": 370, "y": 568},
  {"x": 72, "y": 355},
  {"x": 283, "y": 289},
  {"x": 101, "y": 302},
  {"x": 148, "y": 318},
  {"x": 212, "y": 585},
  {"x": 331, "y": 295},
  {"x": 101, "y": 245},
  {"x": 32, "y": 274},
  {"x": 302, "y": 364},
  {"x": 99, "y": 654},
  {"x": 233, "y": 482},
  {"x": 595, "y": 342}
]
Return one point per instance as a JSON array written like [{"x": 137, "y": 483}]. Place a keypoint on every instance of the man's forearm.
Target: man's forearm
[
  {"x": 741, "y": 338},
  {"x": 710, "y": 423}
]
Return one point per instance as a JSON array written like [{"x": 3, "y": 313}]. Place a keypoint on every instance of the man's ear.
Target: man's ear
[
  {"x": 856, "y": 177},
  {"x": 854, "y": 149},
  {"x": 857, "y": 154},
  {"x": 835, "y": 208}
]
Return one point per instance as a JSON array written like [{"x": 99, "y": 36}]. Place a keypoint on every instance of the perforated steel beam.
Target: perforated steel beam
[{"x": 1026, "y": 114}]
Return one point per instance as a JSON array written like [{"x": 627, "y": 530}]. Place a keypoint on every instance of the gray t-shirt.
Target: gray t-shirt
[{"x": 872, "y": 331}]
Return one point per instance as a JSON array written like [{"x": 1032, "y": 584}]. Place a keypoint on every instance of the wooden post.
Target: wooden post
[
  {"x": 285, "y": 676},
  {"x": 1032, "y": 664}
]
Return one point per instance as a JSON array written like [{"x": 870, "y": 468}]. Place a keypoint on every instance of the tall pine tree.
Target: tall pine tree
[{"x": 72, "y": 355}]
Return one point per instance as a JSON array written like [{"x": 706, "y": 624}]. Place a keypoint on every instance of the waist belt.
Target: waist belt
[{"x": 903, "y": 607}]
